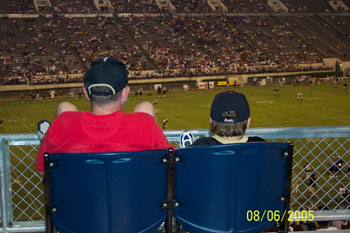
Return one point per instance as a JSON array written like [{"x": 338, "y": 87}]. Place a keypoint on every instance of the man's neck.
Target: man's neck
[{"x": 105, "y": 110}]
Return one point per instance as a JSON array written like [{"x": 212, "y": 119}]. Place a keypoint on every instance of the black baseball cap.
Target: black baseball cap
[
  {"x": 230, "y": 107},
  {"x": 106, "y": 76}
]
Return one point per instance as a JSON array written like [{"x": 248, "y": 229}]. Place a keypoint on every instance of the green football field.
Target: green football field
[{"x": 322, "y": 106}]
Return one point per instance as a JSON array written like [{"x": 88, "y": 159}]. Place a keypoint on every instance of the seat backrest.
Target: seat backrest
[
  {"x": 220, "y": 187},
  {"x": 108, "y": 192}
]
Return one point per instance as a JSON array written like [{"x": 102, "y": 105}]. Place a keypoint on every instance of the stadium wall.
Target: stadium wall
[
  {"x": 243, "y": 77},
  {"x": 330, "y": 61},
  {"x": 13, "y": 91}
]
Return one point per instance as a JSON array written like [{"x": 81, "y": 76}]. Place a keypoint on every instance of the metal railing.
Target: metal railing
[{"x": 321, "y": 166}]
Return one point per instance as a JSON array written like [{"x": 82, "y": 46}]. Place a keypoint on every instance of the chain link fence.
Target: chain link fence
[
  {"x": 27, "y": 187},
  {"x": 320, "y": 181}
]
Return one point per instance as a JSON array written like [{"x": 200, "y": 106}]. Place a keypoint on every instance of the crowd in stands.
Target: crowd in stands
[
  {"x": 156, "y": 46},
  {"x": 150, "y": 6},
  {"x": 164, "y": 46},
  {"x": 141, "y": 6},
  {"x": 301, "y": 6},
  {"x": 213, "y": 41},
  {"x": 319, "y": 226},
  {"x": 250, "y": 6},
  {"x": 32, "y": 48},
  {"x": 191, "y": 6},
  {"x": 76, "y": 6},
  {"x": 17, "y": 7}
]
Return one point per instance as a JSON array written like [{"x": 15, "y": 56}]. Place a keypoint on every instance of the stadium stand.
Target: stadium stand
[
  {"x": 143, "y": 6},
  {"x": 34, "y": 46},
  {"x": 191, "y": 6},
  {"x": 77, "y": 6},
  {"x": 16, "y": 7},
  {"x": 339, "y": 24},
  {"x": 253, "y": 6},
  {"x": 300, "y": 6},
  {"x": 156, "y": 43}
]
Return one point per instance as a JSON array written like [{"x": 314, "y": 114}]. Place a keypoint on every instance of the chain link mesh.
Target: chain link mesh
[
  {"x": 321, "y": 171},
  {"x": 321, "y": 168},
  {"x": 26, "y": 184}
]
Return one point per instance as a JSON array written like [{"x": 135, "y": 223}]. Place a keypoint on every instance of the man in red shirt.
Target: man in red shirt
[{"x": 106, "y": 128}]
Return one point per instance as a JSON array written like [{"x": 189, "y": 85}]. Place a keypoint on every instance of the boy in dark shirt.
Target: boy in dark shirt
[{"x": 229, "y": 120}]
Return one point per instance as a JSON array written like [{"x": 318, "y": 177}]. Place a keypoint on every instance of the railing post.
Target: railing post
[
  {"x": 5, "y": 187},
  {"x": 170, "y": 204}
]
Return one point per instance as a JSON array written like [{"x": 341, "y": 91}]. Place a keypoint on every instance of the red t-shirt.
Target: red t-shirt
[{"x": 79, "y": 132}]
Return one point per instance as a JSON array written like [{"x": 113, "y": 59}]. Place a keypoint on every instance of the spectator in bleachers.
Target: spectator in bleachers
[
  {"x": 339, "y": 224},
  {"x": 325, "y": 226},
  {"x": 106, "y": 88},
  {"x": 229, "y": 120},
  {"x": 152, "y": 47}
]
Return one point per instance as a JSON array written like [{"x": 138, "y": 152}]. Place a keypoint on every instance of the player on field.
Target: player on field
[
  {"x": 308, "y": 169},
  {"x": 299, "y": 97},
  {"x": 343, "y": 192},
  {"x": 345, "y": 85},
  {"x": 338, "y": 165},
  {"x": 312, "y": 183},
  {"x": 186, "y": 88},
  {"x": 165, "y": 124},
  {"x": 335, "y": 83},
  {"x": 229, "y": 120},
  {"x": 276, "y": 91},
  {"x": 165, "y": 90},
  {"x": 140, "y": 91},
  {"x": 22, "y": 97},
  {"x": 32, "y": 96}
]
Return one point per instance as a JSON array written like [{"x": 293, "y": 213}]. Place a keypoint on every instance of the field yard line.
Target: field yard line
[
  {"x": 182, "y": 107},
  {"x": 39, "y": 109},
  {"x": 276, "y": 114},
  {"x": 321, "y": 116},
  {"x": 195, "y": 104},
  {"x": 294, "y": 119},
  {"x": 259, "y": 120},
  {"x": 334, "y": 95},
  {"x": 20, "y": 121},
  {"x": 196, "y": 127},
  {"x": 179, "y": 120}
]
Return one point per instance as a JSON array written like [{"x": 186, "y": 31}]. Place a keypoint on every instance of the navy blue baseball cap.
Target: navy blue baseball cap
[
  {"x": 230, "y": 107},
  {"x": 106, "y": 76}
]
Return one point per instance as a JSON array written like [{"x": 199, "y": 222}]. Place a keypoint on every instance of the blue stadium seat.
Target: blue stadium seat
[
  {"x": 217, "y": 186},
  {"x": 105, "y": 193}
]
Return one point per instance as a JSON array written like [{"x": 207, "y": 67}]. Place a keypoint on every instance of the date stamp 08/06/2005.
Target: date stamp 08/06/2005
[{"x": 276, "y": 215}]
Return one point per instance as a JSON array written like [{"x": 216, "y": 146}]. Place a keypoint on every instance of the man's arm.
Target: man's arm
[{"x": 44, "y": 147}]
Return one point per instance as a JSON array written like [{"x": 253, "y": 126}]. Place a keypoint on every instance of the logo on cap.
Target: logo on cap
[{"x": 229, "y": 107}]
